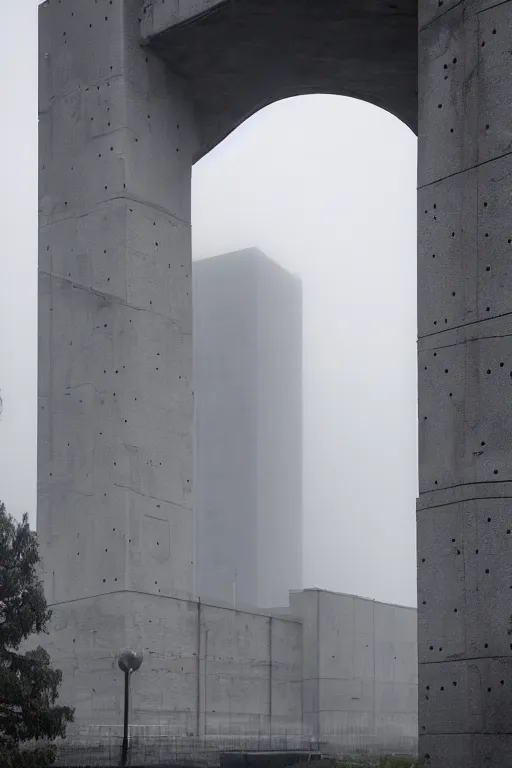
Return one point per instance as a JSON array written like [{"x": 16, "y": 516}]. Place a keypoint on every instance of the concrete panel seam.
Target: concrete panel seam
[
  {"x": 117, "y": 198},
  {"x": 462, "y": 485},
  {"x": 440, "y": 16},
  {"x": 461, "y": 660},
  {"x": 490, "y": 7},
  {"x": 121, "y": 302},
  {"x": 480, "y": 732},
  {"x": 459, "y": 501},
  {"x": 466, "y": 341},
  {"x": 464, "y": 170}
]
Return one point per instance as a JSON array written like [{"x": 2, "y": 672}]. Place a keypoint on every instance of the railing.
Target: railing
[{"x": 100, "y": 747}]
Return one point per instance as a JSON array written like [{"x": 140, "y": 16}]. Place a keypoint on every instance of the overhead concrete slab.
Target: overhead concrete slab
[{"x": 237, "y": 56}]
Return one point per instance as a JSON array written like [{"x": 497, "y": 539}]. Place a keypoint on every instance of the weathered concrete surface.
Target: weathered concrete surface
[
  {"x": 464, "y": 372},
  {"x": 240, "y": 56},
  {"x": 339, "y": 670},
  {"x": 359, "y": 671},
  {"x": 115, "y": 319},
  {"x": 248, "y": 429},
  {"x": 118, "y": 139},
  {"x": 206, "y": 671}
]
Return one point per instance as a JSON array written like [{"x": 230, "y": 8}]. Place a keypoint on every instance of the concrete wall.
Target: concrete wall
[
  {"x": 464, "y": 376},
  {"x": 339, "y": 671},
  {"x": 117, "y": 141},
  {"x": 359, "y": 670},
  {"x": 115, "y": 318},
  {"x": 207, "y": 670},
  {"x": 248, "y": 425}
]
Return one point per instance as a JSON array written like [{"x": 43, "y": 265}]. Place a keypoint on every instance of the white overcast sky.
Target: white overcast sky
[{"x": 328, "y": 191}]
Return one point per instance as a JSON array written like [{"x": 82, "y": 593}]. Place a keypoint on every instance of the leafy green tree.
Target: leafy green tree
[{"x": 29, "y": 717}]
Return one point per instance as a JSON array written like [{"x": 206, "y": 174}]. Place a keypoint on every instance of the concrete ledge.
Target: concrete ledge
[
  {"x": 157, "y": 16},
  {"x": 239, "y": 56}
]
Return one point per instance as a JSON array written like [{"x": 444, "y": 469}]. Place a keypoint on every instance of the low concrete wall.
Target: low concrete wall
[
  {"x": 359, "y": 671},
  {"x": 207, "y": 669},
  {"x": 337, "y": 674}
]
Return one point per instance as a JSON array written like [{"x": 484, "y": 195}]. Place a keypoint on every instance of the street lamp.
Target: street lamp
[{"x": 129, "y": 661}]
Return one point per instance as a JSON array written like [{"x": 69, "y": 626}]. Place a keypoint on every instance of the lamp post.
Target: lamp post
[{"x": 128, "y": 661}]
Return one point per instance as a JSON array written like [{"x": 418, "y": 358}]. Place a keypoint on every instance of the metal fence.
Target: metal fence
[
  {"x": 100, "y": 747},
  {"x": 162, "y": 749}
]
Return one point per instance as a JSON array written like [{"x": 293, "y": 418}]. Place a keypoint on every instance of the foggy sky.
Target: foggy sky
[{"x": 326, "y": 187}]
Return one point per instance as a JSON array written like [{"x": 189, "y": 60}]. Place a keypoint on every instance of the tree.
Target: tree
[{"x": 28, "y": 684}]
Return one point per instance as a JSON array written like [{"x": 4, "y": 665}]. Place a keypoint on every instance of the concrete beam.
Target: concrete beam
[
  {"x": 241, "y": 55},
  {"x": 157, "y": 16}
]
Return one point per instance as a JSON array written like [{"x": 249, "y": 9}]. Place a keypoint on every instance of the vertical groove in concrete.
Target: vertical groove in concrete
[{"x": 465, "y": 382}]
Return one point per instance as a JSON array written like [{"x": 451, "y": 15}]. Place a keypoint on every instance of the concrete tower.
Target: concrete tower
[{"x": 248, "y": 393}]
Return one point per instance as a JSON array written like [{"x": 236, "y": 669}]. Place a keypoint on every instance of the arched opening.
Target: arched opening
[{"x": 325, "y": 187}]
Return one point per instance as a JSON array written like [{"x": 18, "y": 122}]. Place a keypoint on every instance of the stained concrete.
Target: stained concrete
[
  {"x": 464, "y": 369},
  {"x": 115, "y": 515},
  {"x": 359, "y": 671},
  {"x": 237, "y": 57},
  {"x": 334, "y": 670},
  {"x": 120, "y": 126},
  {"x": 115, "y": 317}
]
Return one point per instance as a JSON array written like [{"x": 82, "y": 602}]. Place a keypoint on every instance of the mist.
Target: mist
[{"x": 326, "y": 186}]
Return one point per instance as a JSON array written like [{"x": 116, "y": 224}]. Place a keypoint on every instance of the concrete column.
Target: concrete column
[
  {"x": 115, "y": 344},
  {"x": 465, "y": 383}
]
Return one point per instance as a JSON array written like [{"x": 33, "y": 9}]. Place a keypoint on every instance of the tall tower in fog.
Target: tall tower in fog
[{"x": 248, "y": 429}]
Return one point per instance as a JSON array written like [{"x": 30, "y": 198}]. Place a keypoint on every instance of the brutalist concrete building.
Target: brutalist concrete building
[
  {"x": 131, "y": 94},
  {"x": 248, "y": 429}
]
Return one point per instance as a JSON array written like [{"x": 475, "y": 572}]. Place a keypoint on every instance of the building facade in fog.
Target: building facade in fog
[{"x": 248, "y": 429}]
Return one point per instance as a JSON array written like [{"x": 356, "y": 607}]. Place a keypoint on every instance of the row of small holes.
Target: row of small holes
[{"x": 454, "y": 683}]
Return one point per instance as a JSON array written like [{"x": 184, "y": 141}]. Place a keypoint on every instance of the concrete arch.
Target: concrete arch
[
  {"x": 238, "y": 56},
  {"x": 120, "y": 126}
]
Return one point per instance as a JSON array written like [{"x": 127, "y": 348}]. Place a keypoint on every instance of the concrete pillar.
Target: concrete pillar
[
  {"x": 115, "y": 344},
  {"x": 465, "y": 383},
  {"x": 115, "y": 517}
]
